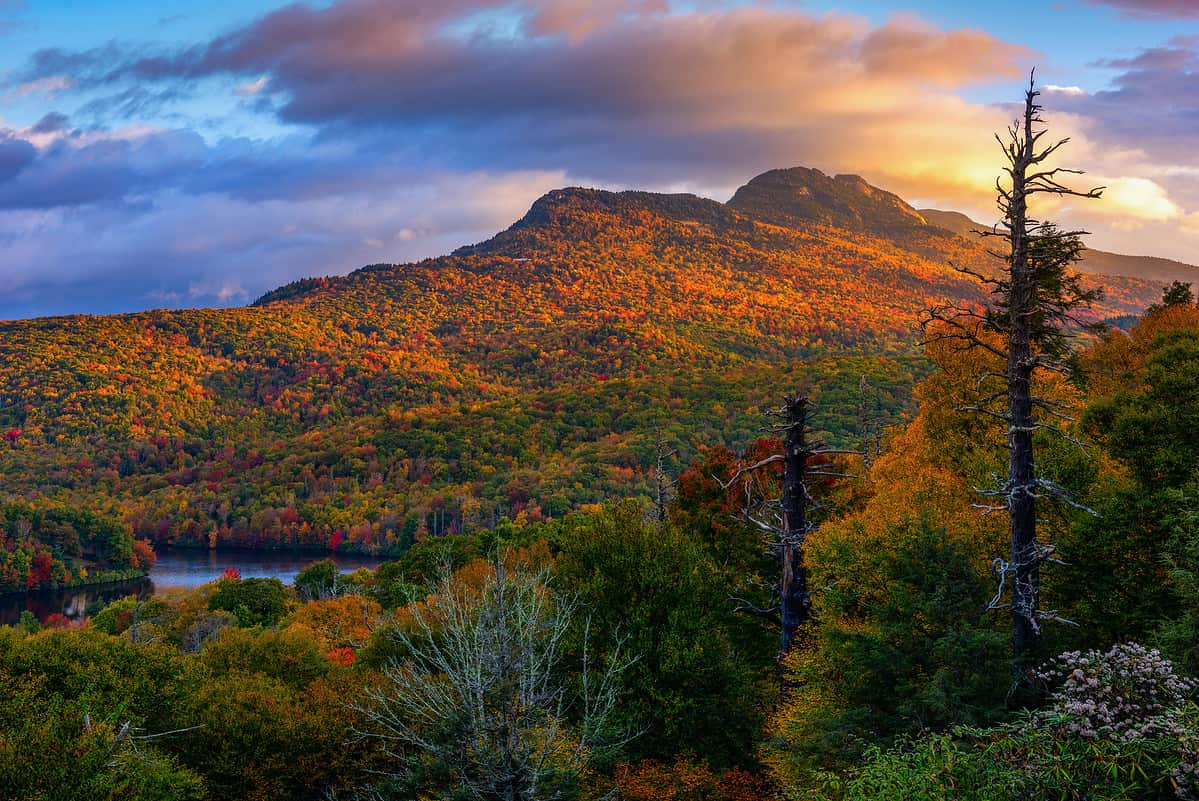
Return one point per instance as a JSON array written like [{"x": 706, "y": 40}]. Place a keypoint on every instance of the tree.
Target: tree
[
  {"x": 787, "y": 520},
  {"x": 479, "y": 707},
  {"x": 321, "y": 580},
  {"x": 656, "y": 585},
  {"x": 905, "y": 645},
  {"x": 1034, "y": 300},
  {"x": 664, "y": 485},
  {"x": 1178, "y": 294},
  {"x": 254, "y": 601}
]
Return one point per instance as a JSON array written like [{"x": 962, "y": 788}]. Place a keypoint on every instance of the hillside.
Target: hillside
[
  {"x": 525, "y": 376},
  {"x": 1098, "y": 262}
]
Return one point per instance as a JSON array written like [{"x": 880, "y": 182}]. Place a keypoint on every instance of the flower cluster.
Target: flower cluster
[{"x": 1127, "y": 693}]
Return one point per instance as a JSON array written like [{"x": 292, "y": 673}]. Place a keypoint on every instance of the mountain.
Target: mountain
[
  {"x": 524, "y": 376},
  {"x": 953, "y": 221},
  {"x": 803, "y": 195},
  {"x": 1098, "y": 262}
]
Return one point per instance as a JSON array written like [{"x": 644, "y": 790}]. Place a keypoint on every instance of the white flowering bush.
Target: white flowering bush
[
  {"x": 1129, "y": 692},
  {"x": 1120, "y": 725}
]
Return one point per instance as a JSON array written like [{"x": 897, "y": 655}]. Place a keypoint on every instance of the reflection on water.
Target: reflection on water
[
  {"x": 175, "y": 568},
  {"x": 71, "y": 602}
]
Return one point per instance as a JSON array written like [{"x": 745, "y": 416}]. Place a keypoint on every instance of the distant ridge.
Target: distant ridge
[{"x": 1098, "y": 262}]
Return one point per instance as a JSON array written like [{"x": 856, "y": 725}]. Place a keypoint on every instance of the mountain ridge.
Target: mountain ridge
[
  {"x": 1098, "y": 262},
  {"x": 796, "y": 198},
  {"x": 528, "y": 375}
]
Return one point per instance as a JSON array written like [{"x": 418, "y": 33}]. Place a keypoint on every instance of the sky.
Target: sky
[{"x": 176, "y": 153}]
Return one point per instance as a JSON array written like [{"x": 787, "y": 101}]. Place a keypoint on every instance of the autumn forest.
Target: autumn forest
[{"x": 806, "y": 495}]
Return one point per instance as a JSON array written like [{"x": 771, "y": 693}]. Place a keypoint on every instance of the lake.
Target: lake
[{"x": 177, "y": 568}]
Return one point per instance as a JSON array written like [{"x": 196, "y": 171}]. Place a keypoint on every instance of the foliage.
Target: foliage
[
  {"x": 88, "y": 762},
  {"x": 1179, "y": 633},
  {"x": 266, "y": 737},
  {"x": 289, "y": 656},
  {"x": 1144, "y": 411},
  {"x": 525, "y": 376},
  {"x": 1119, "y": 726},
  {"x": 913, "y": 649},
  {"x": 477, "y": 708},
  {"x": 982, "y": 765},
  {"x": 692, "y": 686},
  {"x": 1178, "y": 293},
  {"x": 44, "y": 546},
  {"x": 321, "y": 580},
  {"x": 122, "y": 614},
  {"x": 689, "y": 780},
  {"x": 253, "y": 601}
]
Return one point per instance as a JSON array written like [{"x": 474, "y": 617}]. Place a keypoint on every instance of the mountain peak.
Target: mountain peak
[
  {"x": 804, "y": 194},
  {"x": 580, "y": 212}
]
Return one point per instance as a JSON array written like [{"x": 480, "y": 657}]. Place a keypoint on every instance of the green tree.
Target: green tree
[
  {"x": 1178, "y": 294},
  {"x": 254, "y": 601},
  {"x": 691, "y": 688},
  {"x": 910, "y": 649},
  {"x": 321, "y": 580}
]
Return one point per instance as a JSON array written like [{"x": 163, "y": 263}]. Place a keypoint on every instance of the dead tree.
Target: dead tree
[
  {"x": 664, "y": 485},
  {"x": 1027, "y": 326},
  {"x": 787, "y": 519},
  {"x": 870, "y": 424},
  {"x": 481, "y": 690}
]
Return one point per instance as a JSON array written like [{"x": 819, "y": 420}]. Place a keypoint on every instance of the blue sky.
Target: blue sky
[{"x": 178, "y": 153}]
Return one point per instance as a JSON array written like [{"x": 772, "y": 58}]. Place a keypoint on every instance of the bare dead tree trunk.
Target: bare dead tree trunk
[
  {"x": 787, "y": 520},
  {"x": 664, "y": 485},
  {"x": 870, "y": 427},
  {"x": 795, "y": 605},
  {"x": 1021, "y": 483},
  {"x": 1033, "y": 303}
]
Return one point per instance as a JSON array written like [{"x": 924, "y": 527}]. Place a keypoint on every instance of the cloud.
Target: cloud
[
  {"x": 413, "y": 126},
  {"x": 627, "y": 91},
  {"x": 252, "y": 88},
  {"x": 1139, "y": 198},
  {"x": 15, "y": 156},
  {"x": 1146, "y": 122},
  {"x": 213, "y": 250},
  {"x": 50, "y": 85},
  {"x": 1153, "y": 8}
]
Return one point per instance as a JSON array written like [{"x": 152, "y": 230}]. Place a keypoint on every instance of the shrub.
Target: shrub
[
  {"x": 254, "y": 601},
  {"x": 1129, "y": 692}
]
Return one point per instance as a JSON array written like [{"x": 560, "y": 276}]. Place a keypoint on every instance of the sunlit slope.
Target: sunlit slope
[{"x": 530, "y": 373}]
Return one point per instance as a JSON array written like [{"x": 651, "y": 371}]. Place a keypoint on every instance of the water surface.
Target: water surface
[{"x": 176, "y": 568}]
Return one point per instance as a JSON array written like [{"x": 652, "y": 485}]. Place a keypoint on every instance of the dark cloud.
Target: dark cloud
[
  {"x": 78, "y": 170},
  {"x": 624, "y": 88},
  {"x": 1155, "y": 97},
  {"x": 51, "y": 123},
  {"x": 15, "y": 156},
  {"x": 625, "y": 91},
  {"x": 1152, "y": 103},
  {"x": 186, "y": 250},
  {"x": 1153, "y": 8}
]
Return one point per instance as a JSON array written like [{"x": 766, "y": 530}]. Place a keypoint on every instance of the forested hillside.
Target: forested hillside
[
  {"x": 1098, "y": 262},
  {"x": 535, "y": 373},
  {"x": 901, "y": 686}
]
